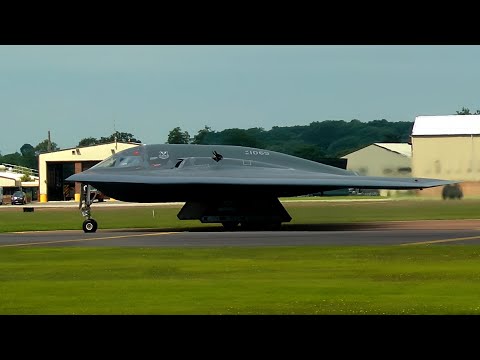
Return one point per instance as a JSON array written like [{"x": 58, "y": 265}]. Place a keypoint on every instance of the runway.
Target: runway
[{"x": 413, "y": 233}]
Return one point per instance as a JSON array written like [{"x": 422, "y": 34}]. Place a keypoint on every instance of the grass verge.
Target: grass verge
[{"x": 283, "y": 280}]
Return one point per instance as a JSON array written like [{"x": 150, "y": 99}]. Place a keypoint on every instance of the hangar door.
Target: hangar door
[{"x": 56, "y": 174}]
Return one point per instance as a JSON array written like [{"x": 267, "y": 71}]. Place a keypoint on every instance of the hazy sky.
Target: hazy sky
[{"x": 84, "y": 91}]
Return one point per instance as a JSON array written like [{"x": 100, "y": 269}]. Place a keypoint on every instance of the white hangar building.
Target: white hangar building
[
  {"x": 447, "y": 147},
  {"x": 54, "y": 167}
]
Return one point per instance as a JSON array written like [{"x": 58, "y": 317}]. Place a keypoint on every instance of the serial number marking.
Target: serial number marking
[{"x": 256, "y": 152}]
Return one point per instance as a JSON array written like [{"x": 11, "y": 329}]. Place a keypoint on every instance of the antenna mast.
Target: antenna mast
[{"x": 115, "y": 133}]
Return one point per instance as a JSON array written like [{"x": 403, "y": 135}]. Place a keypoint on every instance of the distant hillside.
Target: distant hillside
[{"x": 331, "y": 138}]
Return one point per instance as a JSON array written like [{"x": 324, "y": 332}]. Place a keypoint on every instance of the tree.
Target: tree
[
  {"x": 201, "y": 137},
  {"x": 307, "y": 151},
  {"x": 44, "y": 147},
  {"x": 87, "y": 142},
  {"x": 27, "y": 176},
  {"x": 177, "y": 136},
  {"x": 118, "y": 136},
  {"x": 27, "y": 150},
  {"x": 466, "y": 111},
  {"x": 15, "y": 158},
  {"x": 28, "y": 156},
  {"x": 239, "y": 137}
]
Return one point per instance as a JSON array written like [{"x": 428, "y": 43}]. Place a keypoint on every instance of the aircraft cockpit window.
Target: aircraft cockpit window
[
  {"x": 108, "y": 162},
  {"x": 127, "y": 158},
  {"x": 128, "y": 161}
]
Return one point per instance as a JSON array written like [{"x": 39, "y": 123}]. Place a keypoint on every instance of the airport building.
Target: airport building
[
  {"x": 382, "y": 159},
  {"x": 14, "y": 178},
  {"x": 55, "y": 167},
  {"x": 447, "y": 147}
]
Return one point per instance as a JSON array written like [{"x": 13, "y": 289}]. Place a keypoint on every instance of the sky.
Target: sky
[{"x": 82, "y": 91}]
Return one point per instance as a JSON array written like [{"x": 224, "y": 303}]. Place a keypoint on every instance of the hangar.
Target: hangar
[
  {"x": 54, "y": 167},
  {"x": 447, "y": 147},
  {"x": 382, "y": 159}
]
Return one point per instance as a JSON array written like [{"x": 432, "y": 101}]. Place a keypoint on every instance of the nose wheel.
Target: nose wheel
[{"x": 89, "y": 225}]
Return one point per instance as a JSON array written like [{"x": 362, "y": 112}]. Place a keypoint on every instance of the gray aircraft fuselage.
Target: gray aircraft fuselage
[
  {"x": 231, "y": 185},
  {"x": 187, "y": 172}
]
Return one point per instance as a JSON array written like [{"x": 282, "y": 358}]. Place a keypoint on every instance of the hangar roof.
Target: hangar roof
[
  {"x": 8, "y": 178},
  {"x": 86, "y": 153},
  {"x": 404, "y": 149},
  {"x": 446, "y": 125}
]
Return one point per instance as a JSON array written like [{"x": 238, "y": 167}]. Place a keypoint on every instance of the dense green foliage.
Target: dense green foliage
[
  {"x": 116, "y": 136},
  {"x": 27, "y": 156},
  {"x": 329, "y": 138},
  {"x": 177, "y": 136}
]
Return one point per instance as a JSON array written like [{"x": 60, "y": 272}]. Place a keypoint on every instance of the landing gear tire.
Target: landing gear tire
[
  {"x": 90, "y": 226},
  {"x": 230, "y": 226}
]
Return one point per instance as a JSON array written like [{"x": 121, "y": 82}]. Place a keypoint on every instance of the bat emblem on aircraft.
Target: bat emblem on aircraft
[
  {"x": 163, "y": 155},
  {"x": 221, "y": 183}
]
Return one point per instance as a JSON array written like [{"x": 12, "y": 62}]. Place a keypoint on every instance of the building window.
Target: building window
[{"x": 405, "y": 170}]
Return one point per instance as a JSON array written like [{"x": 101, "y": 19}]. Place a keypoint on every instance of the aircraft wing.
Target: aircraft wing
[{"x": 257, "y": 177}]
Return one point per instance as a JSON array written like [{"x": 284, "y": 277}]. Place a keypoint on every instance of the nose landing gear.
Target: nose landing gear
[{"x": 89, "y": 225}]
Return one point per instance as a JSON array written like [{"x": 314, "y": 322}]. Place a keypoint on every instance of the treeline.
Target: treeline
[
  {"x": 28, "y": 155},
  {"x": 326, "y": 139},
  {"x": 320, "y": 139}
]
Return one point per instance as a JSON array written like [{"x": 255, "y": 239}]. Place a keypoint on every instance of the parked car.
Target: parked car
[{"x": 19, "y": 198}]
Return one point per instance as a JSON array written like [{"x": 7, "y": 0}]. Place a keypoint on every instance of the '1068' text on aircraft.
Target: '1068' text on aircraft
[{"x": 224, "y": 184}]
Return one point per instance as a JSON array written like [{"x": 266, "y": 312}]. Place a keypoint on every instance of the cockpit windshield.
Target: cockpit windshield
[{"x": 126, "y": 158}]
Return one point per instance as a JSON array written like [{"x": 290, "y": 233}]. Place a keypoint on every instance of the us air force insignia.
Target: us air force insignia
[{"x": 163, "y": 155}]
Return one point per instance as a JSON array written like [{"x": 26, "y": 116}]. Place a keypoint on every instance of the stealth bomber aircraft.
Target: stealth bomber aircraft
[{"x": 231, "y": 185}]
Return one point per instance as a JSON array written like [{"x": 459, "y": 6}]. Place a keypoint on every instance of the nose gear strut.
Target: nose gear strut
[{"x": 89, "y": 225}]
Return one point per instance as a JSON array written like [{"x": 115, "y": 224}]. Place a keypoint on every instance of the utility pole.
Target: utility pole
[{"x": 49, "y": 143}]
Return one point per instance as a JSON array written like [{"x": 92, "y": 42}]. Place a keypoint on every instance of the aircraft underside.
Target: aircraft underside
[
  {"x": 233, "y": 208},
  {"x": 260, "y": 213},
  {"x": 151, "y": 193}
]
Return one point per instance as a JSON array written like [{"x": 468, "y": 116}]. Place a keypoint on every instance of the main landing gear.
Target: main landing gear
[
  {"x": 252, "y": 214},
  {"x": 89, "y": 225}
]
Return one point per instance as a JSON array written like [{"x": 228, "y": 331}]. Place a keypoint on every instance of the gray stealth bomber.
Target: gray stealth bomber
[{"x": 225, "y": 184}]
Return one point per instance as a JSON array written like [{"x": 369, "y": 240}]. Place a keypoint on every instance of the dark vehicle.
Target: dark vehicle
[
  {"x": 19, "y": 198},
  {"x": 452, "y": 191}
]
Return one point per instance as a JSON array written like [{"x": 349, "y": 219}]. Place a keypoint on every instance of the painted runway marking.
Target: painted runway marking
[
  {"x": 87, "y": 239},
  {"x": 442, "y": 241}
]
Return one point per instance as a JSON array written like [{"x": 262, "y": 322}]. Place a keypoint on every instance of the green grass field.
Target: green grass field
[
  {"x": 423, "y": 279},
  {"x": 283, "y": 280}
]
